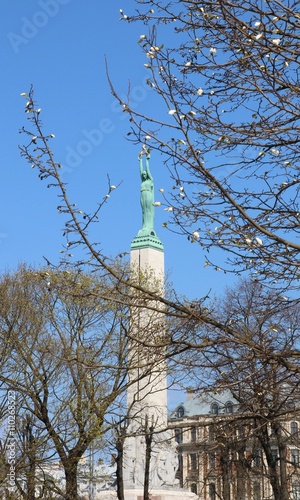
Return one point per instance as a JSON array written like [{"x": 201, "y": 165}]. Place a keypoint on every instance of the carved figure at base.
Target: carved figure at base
[{"x": 164, "y": 466}]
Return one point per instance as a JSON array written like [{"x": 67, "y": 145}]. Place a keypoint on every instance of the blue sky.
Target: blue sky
[{"x": 59, "y": 46}]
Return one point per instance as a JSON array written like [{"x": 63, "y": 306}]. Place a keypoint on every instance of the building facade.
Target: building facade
[{"x": 222, "y": 454}]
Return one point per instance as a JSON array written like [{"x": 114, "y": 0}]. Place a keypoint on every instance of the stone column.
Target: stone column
[{"x": 147, "y": 396}]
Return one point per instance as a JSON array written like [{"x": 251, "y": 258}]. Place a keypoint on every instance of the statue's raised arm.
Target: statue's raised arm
[
  {"x": 148, "y": 169},
  {"x": 147, "y": 198}
]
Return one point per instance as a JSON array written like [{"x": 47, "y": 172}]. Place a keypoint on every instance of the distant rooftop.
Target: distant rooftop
[{"x": 208, "y": 403}]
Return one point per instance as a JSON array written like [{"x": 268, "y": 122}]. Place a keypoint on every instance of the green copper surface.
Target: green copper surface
[
  {"x": 146, "y": 242},
  {"x": 147, "y": 199},
  {"x": 146, "y": 236}
]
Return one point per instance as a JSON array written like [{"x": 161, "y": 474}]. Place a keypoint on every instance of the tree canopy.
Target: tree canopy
[{"x": 64, "y": 355}]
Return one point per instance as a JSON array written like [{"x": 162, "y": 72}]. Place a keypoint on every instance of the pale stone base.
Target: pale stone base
[{"x": 137, "y": 494}]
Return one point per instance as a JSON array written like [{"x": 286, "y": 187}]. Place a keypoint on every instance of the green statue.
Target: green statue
[
  {"x": 147, "y": 198},
  {"x": 146, "y": 237}
]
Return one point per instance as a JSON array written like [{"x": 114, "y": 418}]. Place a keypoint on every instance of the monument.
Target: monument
[{"x": 149, "y": 448}]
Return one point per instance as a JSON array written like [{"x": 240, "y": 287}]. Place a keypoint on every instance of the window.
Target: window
[
  {"x": 180, "y": 412},
  {"x": 215, "y": 409},
  {"x": 256, "y": 491},
  {"x": 241, "y": 432},
  {"x": 180, "y": 463},
  {"x": 193, "y": 434},
  {"x": 296, "y": 491},
  {"x": 178, "y": 436},
  {"x": 211, "y": 433},
  {"x": 212, "y": 491},
  {"x": 193, "y": 461},
  {"x": 194, "y": 488},
  {"x": 294, "y": 428},
  {"x": 295, "y": 457},
  {"x": 212, "y": 461},
  {"x": 256, "y": 458},
  {"x": 274, "y": 452},
  {"x": 229, "y": 407}
]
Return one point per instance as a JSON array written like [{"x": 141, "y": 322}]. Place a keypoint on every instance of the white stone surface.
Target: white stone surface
[
  {"x": 138, "y": 494},
  {"x": 147, "y": 265},
  {"x": 148, "y": 258},
  {"x": 147, "y": 398}
]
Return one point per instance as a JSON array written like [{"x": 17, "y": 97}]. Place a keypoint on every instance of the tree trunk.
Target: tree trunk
[
  {"x": 30, "y": 478},
  {"x": 274, "y": 480},
  {"x": 225, "y": 464},
  {"x": 240, "y": 474},
  {"x": 30, "y": 449},
  {"x": 272, "y": 465},
  {"x": 71, "y": 481},
  {"x": 119, "y": 462},
  {"x": 148, "y": 440},
  {"x": 283, "y": 473},
  {"x": 282, "y": 463}
]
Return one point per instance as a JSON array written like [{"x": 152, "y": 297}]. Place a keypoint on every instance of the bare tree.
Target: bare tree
[
  {"x": 226, "y": 122},
  {"x": 267, "y": 393},
  {"x": 64, "y": 352}
]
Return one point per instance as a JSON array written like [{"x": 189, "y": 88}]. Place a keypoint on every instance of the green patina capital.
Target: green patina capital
[{"x": 146, "y": 242}]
